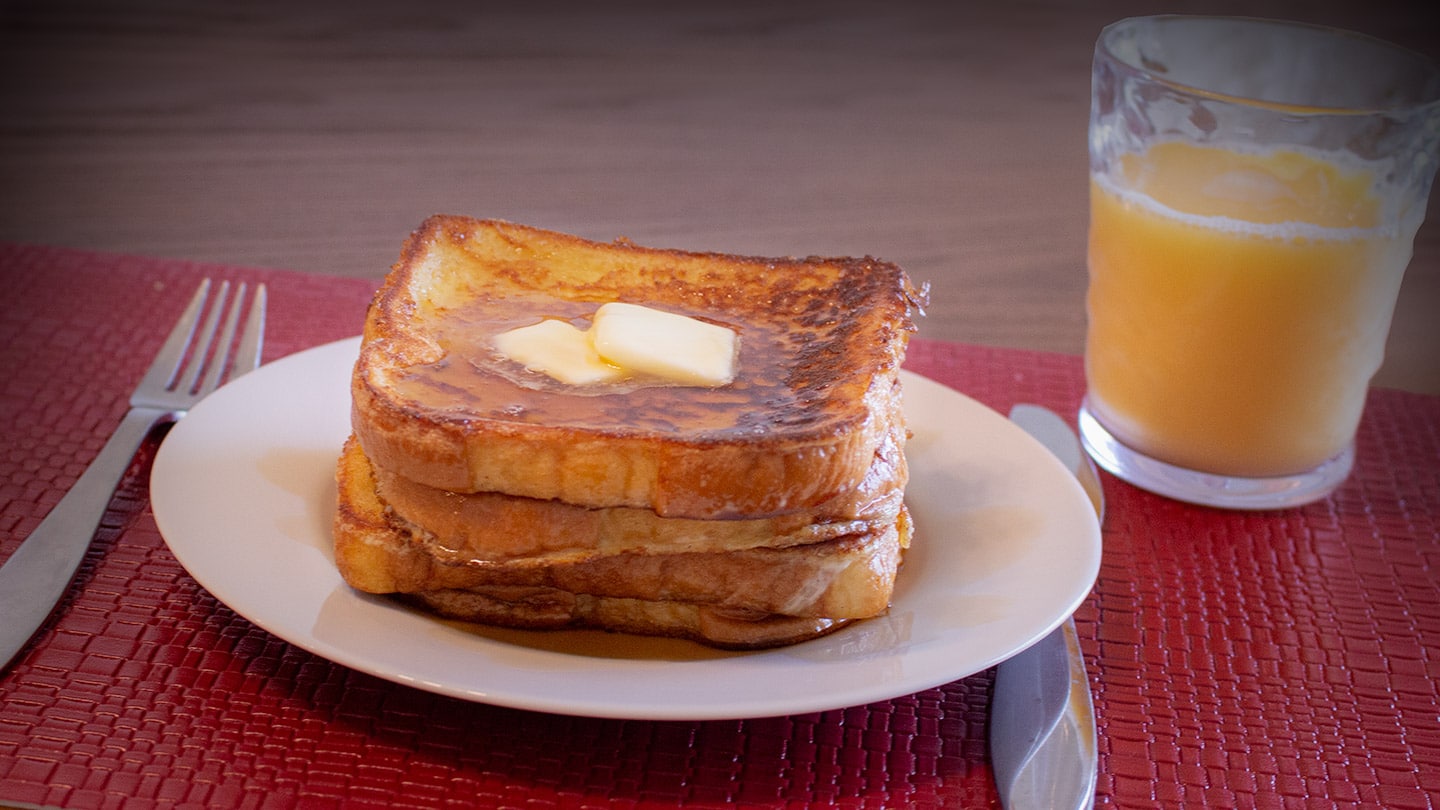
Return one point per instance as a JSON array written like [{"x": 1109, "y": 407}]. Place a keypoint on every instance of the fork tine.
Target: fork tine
[
  {"x": 252, "y": 337},
  {"x": 189, "y": 381},
  {"x": 166, "y": 366},
  {"x": 217, "y": 365},
  {"x": 184, "y": 370}
]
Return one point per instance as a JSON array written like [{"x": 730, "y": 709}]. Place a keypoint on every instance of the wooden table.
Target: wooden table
[{"x": 314, "y": 136}]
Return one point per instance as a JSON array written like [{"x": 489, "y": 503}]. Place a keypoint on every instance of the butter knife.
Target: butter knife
[{"x": 1042, "y": 721}]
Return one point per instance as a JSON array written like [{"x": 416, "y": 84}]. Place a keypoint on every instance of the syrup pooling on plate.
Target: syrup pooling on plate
[{"x": 777, "y": 371}]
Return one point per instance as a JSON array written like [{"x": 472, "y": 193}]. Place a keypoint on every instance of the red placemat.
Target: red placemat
[{"x": 1274, "y": 660}]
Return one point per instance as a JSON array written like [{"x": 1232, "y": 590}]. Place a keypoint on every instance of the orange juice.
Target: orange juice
[{"x": 1238, "y": 305}]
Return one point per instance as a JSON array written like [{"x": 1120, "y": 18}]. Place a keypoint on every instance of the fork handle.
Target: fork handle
[{"x": 36, "y": 575}]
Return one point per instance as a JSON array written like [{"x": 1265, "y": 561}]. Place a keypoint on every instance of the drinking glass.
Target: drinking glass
[{"x": 1255, "y": 189}]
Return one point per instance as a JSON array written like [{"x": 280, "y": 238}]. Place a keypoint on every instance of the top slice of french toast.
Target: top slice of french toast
[{"x": 815, "y": 388}]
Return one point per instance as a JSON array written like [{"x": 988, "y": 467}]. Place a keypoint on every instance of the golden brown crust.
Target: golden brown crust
[
  {"x": 491, "y": 526},
  {"x": 851, "y": 576},
  {"x": 821, "y": 340},
  {"x": 551, "y": 609}
]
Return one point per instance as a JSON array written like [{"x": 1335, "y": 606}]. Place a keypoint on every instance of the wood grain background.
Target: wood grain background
[{"x": 949, "y": 138}]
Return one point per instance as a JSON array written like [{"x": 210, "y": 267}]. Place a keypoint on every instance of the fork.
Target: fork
[{"x": 191, "y": 364}]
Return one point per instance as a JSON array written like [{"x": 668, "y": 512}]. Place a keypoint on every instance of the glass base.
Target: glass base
[{"x": 1210, "y": 489}]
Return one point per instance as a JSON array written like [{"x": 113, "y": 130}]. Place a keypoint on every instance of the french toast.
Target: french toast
[
  {"x": 551, "y": 609},
  {"x": 492, "y": 526},
  {"x": 820, "y": 346},
  {"x": 750, "y": 597},
  {"x": 549, "y": 432}
]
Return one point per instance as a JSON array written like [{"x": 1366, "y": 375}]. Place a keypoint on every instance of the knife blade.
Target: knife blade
[{"x": 1042, "y": 722}]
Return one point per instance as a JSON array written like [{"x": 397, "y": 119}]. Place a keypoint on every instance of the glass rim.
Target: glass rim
[{"x": 1424, "y": 64}]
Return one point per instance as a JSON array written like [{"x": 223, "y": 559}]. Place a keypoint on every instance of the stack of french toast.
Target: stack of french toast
[{"x": 550, "y": 432}]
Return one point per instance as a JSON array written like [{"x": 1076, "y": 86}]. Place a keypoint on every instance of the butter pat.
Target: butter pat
[
  {"x": 675, "y": 347},
  {"x": 558, "y": 349}
]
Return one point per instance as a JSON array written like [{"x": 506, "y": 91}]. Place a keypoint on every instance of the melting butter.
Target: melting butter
[
  {"x": 675, "y": 347},
  {"x": 559, "y": 349},
  {"x": 625, "y": 340}
]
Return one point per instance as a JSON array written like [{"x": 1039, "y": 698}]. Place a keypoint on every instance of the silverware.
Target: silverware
[
  {"x": 191, "y": 364},
  {"x": 1042, "y": 722}
]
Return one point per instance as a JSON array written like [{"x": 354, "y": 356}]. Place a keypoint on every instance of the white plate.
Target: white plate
[{"x": 1005, "y": 547}]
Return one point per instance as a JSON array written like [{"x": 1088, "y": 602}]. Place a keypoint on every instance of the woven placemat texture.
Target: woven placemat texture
[{"x": 1284, "y": 659}]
